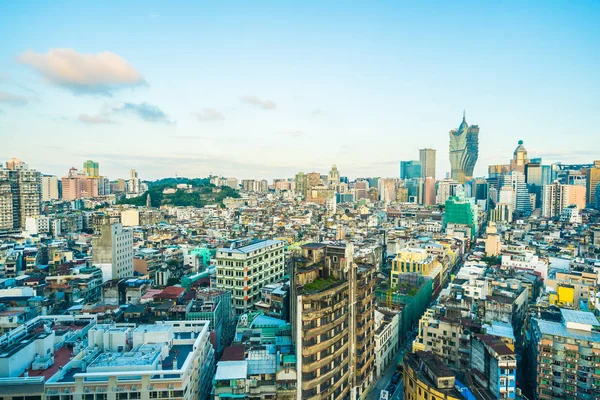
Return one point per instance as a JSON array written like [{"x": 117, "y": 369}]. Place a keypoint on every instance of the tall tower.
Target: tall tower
[
  {"x": 464, "y": 150},
  {"x": 91, "y": 168},
  {"x": 334, "y": 177},
  {"x": 519, "y": 158},
  {"x": 427, "y": 159}
]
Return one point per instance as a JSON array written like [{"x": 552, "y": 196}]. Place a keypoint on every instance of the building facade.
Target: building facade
[{"x": 464, "y": 151}]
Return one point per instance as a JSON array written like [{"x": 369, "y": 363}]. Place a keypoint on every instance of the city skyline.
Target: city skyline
[{"x": 221, "y": 88}]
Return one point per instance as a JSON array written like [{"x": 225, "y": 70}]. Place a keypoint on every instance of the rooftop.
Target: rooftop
[
  {"x": 246, "y": 249},
  {"x": 579, "y": 317},
  {"x": 228, "y": 370}
]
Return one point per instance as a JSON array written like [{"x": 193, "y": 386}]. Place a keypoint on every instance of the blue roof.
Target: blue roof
[{"x": 263, "y": 320}]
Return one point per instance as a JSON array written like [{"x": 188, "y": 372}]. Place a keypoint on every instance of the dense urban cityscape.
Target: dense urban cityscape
[
  {"x": 299, "y": 200},
  {"x": 307, "y": 287}
]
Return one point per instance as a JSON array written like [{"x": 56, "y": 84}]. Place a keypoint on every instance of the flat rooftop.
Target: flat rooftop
[{"x": 253, "y": 246}]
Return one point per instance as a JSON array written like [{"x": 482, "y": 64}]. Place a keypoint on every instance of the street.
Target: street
[{"x": 384, "y": 380}]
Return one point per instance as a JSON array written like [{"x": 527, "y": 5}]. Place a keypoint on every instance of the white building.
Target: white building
[
  {"x": 130, "y": 217},
  {"x": 49, "y": 187},
  {"x": 167, "y": 360},
  {"x": 446, "y": 188},
  {"x": 386, "y": 340},
  {"x": 112, "y": 251},
  {"x": 525, "y": 261},
  {"x": 37, "y": 225},
  {"x": 246, "y": 266}
]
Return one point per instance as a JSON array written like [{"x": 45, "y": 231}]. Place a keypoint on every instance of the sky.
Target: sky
[{"x": 264, "y": 89}]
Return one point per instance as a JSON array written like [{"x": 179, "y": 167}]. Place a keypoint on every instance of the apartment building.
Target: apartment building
[
  {"x": 386, "y": 339},
  {"x": 425, "y": 377},
  {"x": 564, "y": 356},
  {"x": 332, "y": 315},
  {"x": 112, "y": 251},
  {"x": 246, "y": 266},
  {"x": 494, "y": 366}
]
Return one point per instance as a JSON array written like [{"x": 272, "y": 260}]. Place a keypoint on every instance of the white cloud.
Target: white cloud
[
  {"x": 209, "y": 114},
  {"x": 145, "y": 111},
  {"x": 93, "y": 119},
  {"x": 255, "y": 101},
  {"x": 84, "y": 73}
]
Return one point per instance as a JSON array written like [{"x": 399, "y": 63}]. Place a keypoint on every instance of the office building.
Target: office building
[
  {"x": 563, "y": 354},
  {"x": 410, "y": 169},
  {"x": 91, "y": 169},
  {"x": 333, "y": 317},
  {"x": 464, "y": 151},
  {"x": 427, "y": 161},
  {"x": 592, "y": 182},
  {"x": 515, "y": 181},
  {"x": 112, "y": 251},
  {"x": 134, "y": 184},
  {"x": 246, "y": 266},
  {"x": 519, "y": 160},
  {"x": 49, "y": 188},
  {"x": 334, "y": 177}
]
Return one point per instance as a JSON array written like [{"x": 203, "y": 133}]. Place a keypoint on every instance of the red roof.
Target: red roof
[
  {"x": 171, "y": 292},
  {"x": 61, "y": 357},
  {"x": 234, "y": 353}
]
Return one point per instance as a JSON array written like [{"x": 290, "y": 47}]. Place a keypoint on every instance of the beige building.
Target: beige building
[
  {"x": 427, "y": 159},
  {"x": 49, "y": 188},
  {"x": 492, "y": 241},
  {"x": 556, "y": 197},
  {"x": 332, "y": 312},
  {"x": 112, "y": 251},
  {"x": 130, "y": 217},
  {"x": 592, "y": 182}
]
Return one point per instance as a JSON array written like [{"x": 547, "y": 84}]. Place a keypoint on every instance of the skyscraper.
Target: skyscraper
[
  {"x": 519, "y": 158},
  {"x": 333, "y": 177},
  {"x": 464, "y": 150},
  {"x": 49, "y": 187},
  {"x": 427, "y": 159},
  {"x": 410, "y": 169}
]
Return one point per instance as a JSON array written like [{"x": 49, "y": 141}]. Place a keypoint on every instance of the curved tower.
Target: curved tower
[{"x": 464, "y": 150}]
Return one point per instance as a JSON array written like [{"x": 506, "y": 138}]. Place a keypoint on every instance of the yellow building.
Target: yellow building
[
  {"x": 426, "y": 377},
  {"x": 416, "y": 261}
]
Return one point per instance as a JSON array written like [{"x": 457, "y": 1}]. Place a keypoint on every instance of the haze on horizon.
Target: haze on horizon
[{"x": 266, "y": 89}]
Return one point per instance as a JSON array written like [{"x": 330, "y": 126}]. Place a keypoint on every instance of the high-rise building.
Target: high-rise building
[
  {"x": 20, "y": 195},
  {"x": 492, "y": 240},
  {"x": 112, "y": 251},
  {"x": 463, "y": 212},
  {"x": 49, "y": 187},
  {"x": 300, "y": 180},
  {"x": 246, "y": 266},
  {"x": 361, "y": 190},
  {"x": 77, "y": 185},
  {"x": 15, "y": 163},
  {"x": 410, "y": 169},
  {"x": 429, "y": 191},
  {"x": 313, "y": 179},
  {"x": 388, "y": 190},
  {"x": 91, "y": 168},
  {"x": 556, "y": 197},
  {"x": 332, "y": 322},
  {"x": 446, "y": 189},
  {"x": 133, "y": 184},
  {"x": 427, "y": 160},
  {"x": 464, "y": 150},
  {"x": 521, "y": 199},
  {"x": 592, "y": 182},
  {"x": 519, "y": 160},
  {"x": 333, "y": 177}
]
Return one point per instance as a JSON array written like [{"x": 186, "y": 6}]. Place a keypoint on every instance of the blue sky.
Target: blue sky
[{"x": 264, "y": 89}]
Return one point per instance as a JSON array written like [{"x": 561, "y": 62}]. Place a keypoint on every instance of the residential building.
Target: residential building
[
  {"x": 246, "y": 266},
  {"x": 429, "y": 191},
  {"x": 427, "y": 161},
  {"x": 563, "y": 355},
  {"x": 386, "y": 339},
  {"x": 332, "y": 316},
  {"x": 446, "y": 189},
  {"x": 592, "y": 182},
  {"x": 49, "y": 188},
  {"x": 20, "y": 196},
  {"x": 494, "y": 366},
  {"x": 361, "y": 190},
  {"x": 112, "y": 251},
  {"x": 425, "y": 377},
  {"x": 557, "y": 197},
  {"x": 492, "y": 240},
  {"x": 91, "y": 168},
  {"x": 464, "y": 151},
  {"x": 462, "y": 212}
]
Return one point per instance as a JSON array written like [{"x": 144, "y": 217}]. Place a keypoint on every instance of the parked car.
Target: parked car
[{"x": 396, "y": 378}]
